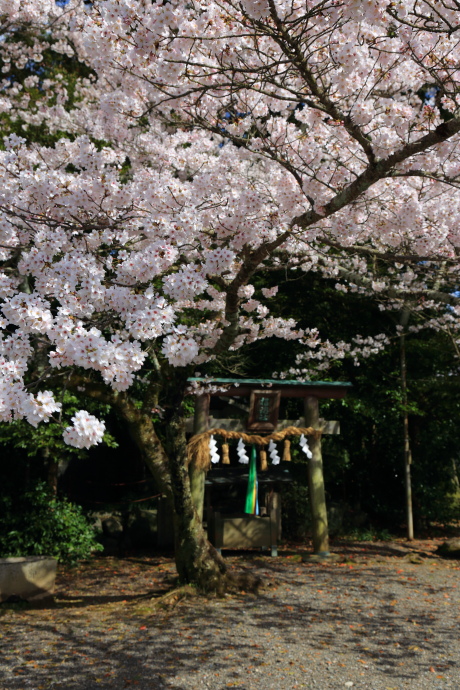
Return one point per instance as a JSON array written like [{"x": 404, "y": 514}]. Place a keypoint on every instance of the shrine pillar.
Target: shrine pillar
[
  {"x": 316, "y": 481},
  {"x": 197, "y": 475}
]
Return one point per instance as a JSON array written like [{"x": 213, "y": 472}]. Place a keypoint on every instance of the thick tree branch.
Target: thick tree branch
[
  {"x": 233, "y": 300},
  {"x": 139, "y": 424},
  {"x": 377, "y": 171}
]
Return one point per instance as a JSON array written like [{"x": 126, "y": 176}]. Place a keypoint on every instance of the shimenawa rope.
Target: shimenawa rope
[{"x": 198, "y": 447}]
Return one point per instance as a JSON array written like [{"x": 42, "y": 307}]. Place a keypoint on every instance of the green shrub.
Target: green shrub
[{"x": 37, "y": 523}]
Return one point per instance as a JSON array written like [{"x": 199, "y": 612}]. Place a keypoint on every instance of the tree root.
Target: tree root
[
  {"x": 230, "y": 583},
  {"x": 174, "y": 596}
]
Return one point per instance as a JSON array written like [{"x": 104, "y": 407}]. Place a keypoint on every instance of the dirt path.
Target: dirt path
[{"x": 382, "y": 616}]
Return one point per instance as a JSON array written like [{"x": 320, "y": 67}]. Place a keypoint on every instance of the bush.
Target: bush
[{"x": 38, "y": 524}]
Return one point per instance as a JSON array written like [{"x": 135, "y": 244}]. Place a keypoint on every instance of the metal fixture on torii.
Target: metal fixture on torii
[{"x": 264, "y": 396}]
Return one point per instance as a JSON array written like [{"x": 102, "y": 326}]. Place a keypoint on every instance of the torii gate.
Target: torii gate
[{"x": 264, "y": 395}]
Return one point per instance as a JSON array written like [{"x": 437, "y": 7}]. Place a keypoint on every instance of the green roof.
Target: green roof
[{"x": 272, "y": 382}]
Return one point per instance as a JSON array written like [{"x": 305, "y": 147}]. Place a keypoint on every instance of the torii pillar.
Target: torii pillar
[
  {"x": 198, "y": 476},
  {"x": 310, "y": 391},
  {"x": 316, "y": 490}
]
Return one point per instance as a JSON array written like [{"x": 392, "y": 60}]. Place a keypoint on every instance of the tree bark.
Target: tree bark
[
  {"x": 142, "y": 431},
  {"x": 406, "y": 436},
  {"x": 139, "y": 424},
  {"x": 455, "y": 475},
  {"x": 52, "y": 468},
  {"x": 197, "y": 561}
]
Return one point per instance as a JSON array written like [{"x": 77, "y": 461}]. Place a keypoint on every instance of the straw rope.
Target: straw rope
[{"x": 198, "y": 447}]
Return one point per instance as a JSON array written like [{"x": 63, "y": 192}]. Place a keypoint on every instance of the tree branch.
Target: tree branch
[{"x": 377, "y": 171}]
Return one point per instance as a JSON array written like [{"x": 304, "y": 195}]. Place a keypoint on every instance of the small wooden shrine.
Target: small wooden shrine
[{"x": 260, "y": 428}]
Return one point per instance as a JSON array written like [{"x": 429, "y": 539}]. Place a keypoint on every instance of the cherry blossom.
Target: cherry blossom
[
  {"x": 198, "y": 144},
  {"x": 86, "y": 430}
]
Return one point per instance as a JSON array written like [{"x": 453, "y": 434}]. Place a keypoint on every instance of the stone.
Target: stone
[
  {"x": 449, "y": 549},
  {"x": 414, "y": 557},
  {"x": 29, "y": 577},
  {"x": 96, "y": 521},
  {"x": 112, "y": 527}
]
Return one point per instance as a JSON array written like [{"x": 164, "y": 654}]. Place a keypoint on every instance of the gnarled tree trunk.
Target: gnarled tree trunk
[{"x": 197, "y": 560}]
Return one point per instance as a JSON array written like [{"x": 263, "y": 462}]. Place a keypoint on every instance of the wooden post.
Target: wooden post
[
  {"x": 406, "y": 437},
  {"x": 316, "y": 482},
  {"x": 198, "y": 476}
]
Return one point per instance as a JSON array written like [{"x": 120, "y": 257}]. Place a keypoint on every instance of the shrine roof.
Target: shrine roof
[
  {"x": 268, "y": 382},
  {"x": 287, "y": 387}
]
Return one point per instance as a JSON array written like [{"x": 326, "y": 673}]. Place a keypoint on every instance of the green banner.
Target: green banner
[{"x": 252, "y": 502}]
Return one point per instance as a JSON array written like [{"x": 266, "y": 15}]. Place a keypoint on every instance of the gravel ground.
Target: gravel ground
[{"x": 378, "y": 617}]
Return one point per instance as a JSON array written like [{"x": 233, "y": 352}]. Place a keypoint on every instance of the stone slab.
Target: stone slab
[{"x": 28, "y": 577}]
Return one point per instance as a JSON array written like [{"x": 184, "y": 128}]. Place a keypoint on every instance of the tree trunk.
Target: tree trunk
[
  {"x": 406, "y": 436},
  {"x": 197, "y": 561},
  {"x": 52, "y": 468},
  {"x": 455, "y": 475},
  {"x": 142, "y": 432}
]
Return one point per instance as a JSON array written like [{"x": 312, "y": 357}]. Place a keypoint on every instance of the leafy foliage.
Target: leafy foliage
[
  {"x": 363, "y": 466},
  {"x": 33, "y": 440},
  {"x": 36, "y": 523}
]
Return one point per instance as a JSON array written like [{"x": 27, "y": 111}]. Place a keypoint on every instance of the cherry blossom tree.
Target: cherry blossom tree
[{"x": 197, "y": 144}]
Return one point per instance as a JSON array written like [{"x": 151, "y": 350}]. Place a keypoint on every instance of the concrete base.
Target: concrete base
[{"x": 30, "y": 577}]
